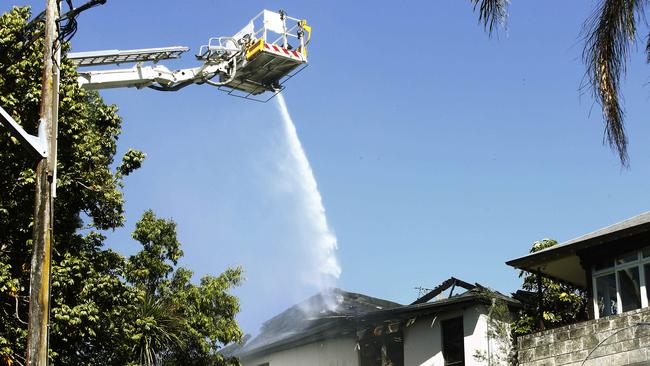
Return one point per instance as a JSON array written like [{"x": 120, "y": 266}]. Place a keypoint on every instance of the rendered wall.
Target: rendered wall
[
  {"x": 629, "y": 343},
  {"x": 423, "y": 343},
  {"x": 331, "y": 352}
]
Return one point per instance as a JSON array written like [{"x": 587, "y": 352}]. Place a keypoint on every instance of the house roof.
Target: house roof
[
  {"x": 318, "y": 317},
  {"x": 562, "y": 262},
  {"x": 478, "y": 294},
  {"x": 313, "y": 320}
]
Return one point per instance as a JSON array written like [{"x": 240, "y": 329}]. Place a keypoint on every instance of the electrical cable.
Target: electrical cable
[{"x": 67, "y": 30}]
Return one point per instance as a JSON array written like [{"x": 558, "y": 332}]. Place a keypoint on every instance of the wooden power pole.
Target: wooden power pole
[{"x": 39, "y": 290}]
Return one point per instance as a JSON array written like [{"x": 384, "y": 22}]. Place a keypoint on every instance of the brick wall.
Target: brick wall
[{"x": 570, "y": 345}]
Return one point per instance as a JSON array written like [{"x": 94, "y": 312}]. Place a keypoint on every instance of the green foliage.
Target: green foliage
[
  {"x": 561, "y": 303},
  {"x": 131, "y": 161},
  {"x": 161, "y": 251},
  {"x": 159, "y": 327},
  {"x": 86, "y": 280},
  {"x": 501, "y": 347},
  {"x": 180, "y": 323},
  {"x": 104, "y": 307}
]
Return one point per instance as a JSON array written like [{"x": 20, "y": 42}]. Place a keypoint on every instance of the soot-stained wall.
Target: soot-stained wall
[{"x": 332, "y": 352}]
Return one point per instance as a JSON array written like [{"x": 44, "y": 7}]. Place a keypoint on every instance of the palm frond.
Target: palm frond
[
  {"x": 491, "y": 13},
  {"x": 647, "y": 49},
  {"x": 609, "y": 33},
  {"x": 161, "y": 328}
]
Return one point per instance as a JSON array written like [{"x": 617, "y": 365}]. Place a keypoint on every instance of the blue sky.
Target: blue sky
[{"x": 439, "y": 152}]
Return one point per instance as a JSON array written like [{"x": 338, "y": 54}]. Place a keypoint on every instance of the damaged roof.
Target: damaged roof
[
  {"x": 316, "y": 319},
  {"x": 478, "y": 294},
  {"x": 321, "y": 316}
]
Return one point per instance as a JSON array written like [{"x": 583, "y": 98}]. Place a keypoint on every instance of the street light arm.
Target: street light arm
[{"x": 35, "y": 144}]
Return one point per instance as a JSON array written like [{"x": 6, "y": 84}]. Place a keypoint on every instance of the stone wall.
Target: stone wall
[{"x": 628, "y": 343}]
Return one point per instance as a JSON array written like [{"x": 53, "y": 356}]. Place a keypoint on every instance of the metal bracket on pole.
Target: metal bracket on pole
[{"x": 35, "y": 144}]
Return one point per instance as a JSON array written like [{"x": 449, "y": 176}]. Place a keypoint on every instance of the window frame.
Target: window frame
[
  {"x": 462, "y": 339},
  {"x": 639, "y": 263}
]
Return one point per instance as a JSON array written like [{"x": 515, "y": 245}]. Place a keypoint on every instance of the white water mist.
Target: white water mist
[{"x": 316, "y": 232}]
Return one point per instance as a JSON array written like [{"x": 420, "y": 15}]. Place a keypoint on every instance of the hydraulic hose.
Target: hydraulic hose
[
  {"x": 231, "y": 78},
  {"x": 172, "y": 88}
]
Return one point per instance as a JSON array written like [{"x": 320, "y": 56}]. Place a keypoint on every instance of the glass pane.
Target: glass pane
[
  {"x": 630, "y": 288},
  {"x": 604, "y": 264},
  {"x": 606, "y": 294},
  {"x": 647, "y": 279},
  {"x": 646, "y": 252},
  {"x": 627, "y": 258}
]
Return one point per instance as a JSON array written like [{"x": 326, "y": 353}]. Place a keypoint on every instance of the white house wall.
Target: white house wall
[
  {"x": 332, "y": 352},
  {"x": 423, "y": 342},
  {"x": 422, "y": 345}
]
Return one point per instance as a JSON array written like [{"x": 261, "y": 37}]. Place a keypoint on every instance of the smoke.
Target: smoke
[{"x": 320, "y": 268}]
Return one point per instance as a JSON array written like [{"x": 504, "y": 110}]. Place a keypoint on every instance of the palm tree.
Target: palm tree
[
  {"x": 159, "y": 328},
  {"x": 608, "y": 34}
]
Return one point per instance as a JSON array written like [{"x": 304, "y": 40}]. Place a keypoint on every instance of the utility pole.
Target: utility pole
[{"x": 39, "y": 291}]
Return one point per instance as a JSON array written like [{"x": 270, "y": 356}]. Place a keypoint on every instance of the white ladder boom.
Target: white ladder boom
[{"x": 116, "y": 57}]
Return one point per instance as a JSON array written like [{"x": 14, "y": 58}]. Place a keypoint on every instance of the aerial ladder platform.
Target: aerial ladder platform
[{"x": 253, "y": 63}]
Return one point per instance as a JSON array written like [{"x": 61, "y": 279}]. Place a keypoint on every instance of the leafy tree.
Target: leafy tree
[
  {"x": 102, "y": 305},
  {"x": 86, "y": 278},
  {"x": 609, "y": 34},
  {"x": 160, "y": 253},
  {"x": 501, "y": 343},
  {"x": 159, "y": 328},
  {"x": 179, "y": 323},
  {"x": 561, "y": 303}
]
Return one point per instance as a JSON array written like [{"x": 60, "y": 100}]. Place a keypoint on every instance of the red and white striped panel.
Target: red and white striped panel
[{"x": 293, "y": 54}]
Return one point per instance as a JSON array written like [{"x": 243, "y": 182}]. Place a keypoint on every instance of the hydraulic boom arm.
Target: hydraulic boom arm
[
  {"x": 156, "y": 77},
  {"x": 259, "y": 58}
]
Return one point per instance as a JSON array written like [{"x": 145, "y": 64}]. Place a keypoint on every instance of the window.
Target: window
[
  {"x": 630, "y": 288},
  {"x": 620, "y": 285},
  {"x": 646, "y": 270},
  {"x": 606, "y": 298},
  {"x": 384, "y": 350},
  {"x": 453, "y": 347}
]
